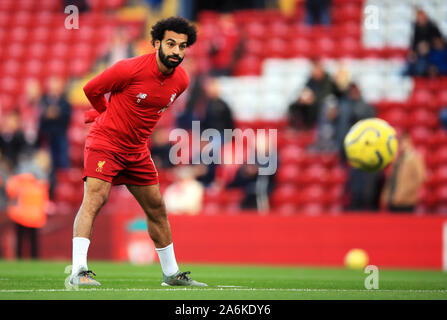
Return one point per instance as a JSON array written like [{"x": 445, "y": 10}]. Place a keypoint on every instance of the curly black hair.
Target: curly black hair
[{"x": 176, "y": 24}]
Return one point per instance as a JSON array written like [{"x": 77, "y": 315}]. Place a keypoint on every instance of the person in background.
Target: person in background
[
  {"x": 120, "y": 47},
  {"x": 353, "y": 108},
  {"x": 29, "y": 109},
  {"x": 218, "y": 114},
  {"x": 363, "y": 187},
  {"x": 226, "y": 48},
  {"x": 424, "y": 30},
  {"x": 185, "y": 195},
  {"x": 257, "y": 188},
  {"x": 12, "y": 140},
  {"x": 28, "y": 201},
  {"x": 402, "y": 186},
  {"x": 327, "y": 126},
  {"x": 160, "y": 147},
  {"x": 318, "y": 12},
  {"x": 305, "y": 112},
  {"x": 53, "y": 126},
  {"x": 418, "y": 60},
  {"x": 437, "y": 57}
]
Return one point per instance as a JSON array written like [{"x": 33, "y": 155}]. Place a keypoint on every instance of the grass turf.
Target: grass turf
[{"x": 45, "y": 280}]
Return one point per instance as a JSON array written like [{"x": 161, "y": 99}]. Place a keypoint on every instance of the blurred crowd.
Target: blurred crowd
[{"x": 427, "y": 56}]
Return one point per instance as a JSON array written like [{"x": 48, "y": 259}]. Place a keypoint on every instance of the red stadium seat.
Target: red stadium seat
[
  {"x": 439, "y": 156},
  {"x": 285, "y": 193},
  {"x": 422, "y": 117},
  {"x": 288, "y": 174},
  {"x": 349, "y": 47},
  {"x": 301, "y": 47},
  {"x": 441, "y": 98},
  {"x": 248, "y": 65},
  {"x": 421, "y": 135},
  {"x": 313, "y": 194},
  {"x": 254, "y": 47},
  {"x": 291, "y": 155},
  {"x": 285, "y": 209},
  {"x": 439, "y": 138},
  {"x": 440, "y": 176},
  {"x": 441, "y": 195},
  {"x": 279, "y": 29},
  {"x": 38, "y": 50},
  {"x": 255, "y": 30},
  {"x": 276, "y": 48},
  {"x": 396, "y": 118},
  {"x": 315, "y": 174},
  {"x": 313, "y": 209},
  {"x": 423, "y": 99},
  {"x": 337, "y": 175}
]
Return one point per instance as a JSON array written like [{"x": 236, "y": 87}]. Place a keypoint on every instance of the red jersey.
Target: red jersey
[{"x": 139, "y": 95}]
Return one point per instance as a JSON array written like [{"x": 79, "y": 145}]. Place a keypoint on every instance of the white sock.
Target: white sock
[
  {"x": 80, "y": 249},
  {"x": 167, "y": 260}
]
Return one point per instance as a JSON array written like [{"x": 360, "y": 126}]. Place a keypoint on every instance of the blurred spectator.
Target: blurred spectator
[
  {"x": 53, "y": 126},
  {"x": 338, "y": 116},
  {"x": 328, "y": 126},
  {"x": 226, "y": 46},
  {"x": 54, "y": 121},
  {"x": 3, "y": 197},
  {"x": 218, "y": 114},
  {"x": 206, "y": 173},
  {"x": 418, "y": 60},
  {"x": 194, "y": 96},
  {"x": 305, "y": 112},
  {"x": 423, "y": 41},
  {"x": 29, "y": 107},
  {"x": 318, "y": 12},
  {"x": 28, "y": 201},
  {"x": 120, "y": 47},
  {"x": 205, "y": 105},
  {"x": 443, "y": 117},
  {"x": 12, "y": 140},
  {"x": 257, "y": 188},
  {"x": 363, "y": 187},
  {"x": 353, "y": 108},
  {"x": 438, "y": 57},
  {"x": 185, "y": 195},
  {"x": 401, "y": 190},
  {"x": 160, "y": 147},
  {"x": 424, "y": 30}
]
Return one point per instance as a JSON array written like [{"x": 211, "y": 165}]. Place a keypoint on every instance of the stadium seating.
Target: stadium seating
[{"x": 267, "y": 78}]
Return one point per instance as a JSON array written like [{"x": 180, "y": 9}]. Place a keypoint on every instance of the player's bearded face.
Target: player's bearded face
[{"x": 169, "y": 60}]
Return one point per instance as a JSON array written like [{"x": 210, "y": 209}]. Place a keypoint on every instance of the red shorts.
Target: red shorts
[{"x": 120, "y": 168}]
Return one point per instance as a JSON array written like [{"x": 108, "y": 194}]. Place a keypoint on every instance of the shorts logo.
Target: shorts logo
[{"x": 100, "y": 165}]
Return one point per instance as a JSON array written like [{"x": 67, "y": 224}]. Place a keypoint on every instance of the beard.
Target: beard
[{"x": 165, "y": 59}]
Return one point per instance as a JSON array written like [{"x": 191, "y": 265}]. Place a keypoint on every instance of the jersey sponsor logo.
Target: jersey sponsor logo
[
  {"x": 141, "y": 96},
  {"x": 100, "y": 166}
]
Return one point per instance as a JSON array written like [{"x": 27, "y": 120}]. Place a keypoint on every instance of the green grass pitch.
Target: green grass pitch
[{"x": 45, "y": 280}]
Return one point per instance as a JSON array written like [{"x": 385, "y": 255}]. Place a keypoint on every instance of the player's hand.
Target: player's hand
[{"x": 90, "y": 115}]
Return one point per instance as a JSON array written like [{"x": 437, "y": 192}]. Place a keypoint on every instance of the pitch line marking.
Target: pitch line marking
[{"x": 224, "y": 289}]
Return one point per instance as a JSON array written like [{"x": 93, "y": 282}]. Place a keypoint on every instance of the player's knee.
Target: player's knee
[
  {"x": 98, "y": 195},
  {"x": 156, "y": 209}
]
